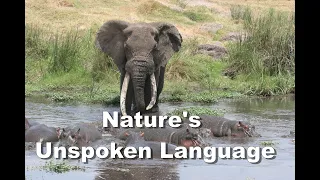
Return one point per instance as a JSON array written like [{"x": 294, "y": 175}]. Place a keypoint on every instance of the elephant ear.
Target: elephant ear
[
  {"x": 169, "y": 41},
  {"x": 110, "y": 40}
]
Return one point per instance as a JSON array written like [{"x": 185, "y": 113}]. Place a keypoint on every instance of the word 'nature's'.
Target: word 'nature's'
[{"x": 147, "y": 121}]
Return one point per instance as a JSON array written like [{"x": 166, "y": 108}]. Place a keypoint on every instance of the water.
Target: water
[{"x": 273, "y": 118}]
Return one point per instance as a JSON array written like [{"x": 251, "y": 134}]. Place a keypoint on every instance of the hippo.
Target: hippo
[
  {"x": 177, "y": 136},
  {"x": 80, "y": 135},
  {"x": 136, "y": 140},
  {"x": 29, "y": 123},
  {"x": 221, "y": 126},
  {"x": 35, "y": 132}
]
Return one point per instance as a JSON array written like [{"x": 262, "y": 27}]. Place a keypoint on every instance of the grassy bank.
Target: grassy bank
[{"x": 62, "y": 64}]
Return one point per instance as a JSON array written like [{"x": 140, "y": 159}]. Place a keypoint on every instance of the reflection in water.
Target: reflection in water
[
  {"x": 273, "y": 118},
  {"x": 139, "y": 170}
]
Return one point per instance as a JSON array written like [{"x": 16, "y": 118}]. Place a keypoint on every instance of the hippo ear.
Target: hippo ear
[
  {"x": 141, "y": 134},
  {"x": 58, "y": 131},
  {"x": 78, "y": 132},
  {"x": 239, "y": 124},
  {"x": 126, "y": 134}
]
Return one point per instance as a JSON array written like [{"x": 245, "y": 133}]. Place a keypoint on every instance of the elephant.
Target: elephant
[{"x": 141, "y": 52}]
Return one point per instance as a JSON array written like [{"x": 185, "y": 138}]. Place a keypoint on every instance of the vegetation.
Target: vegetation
[
  {"x": 268, "y": 143},
  {"x": 63, "y": 64},
  {"x": 58, "y": 167},
  {"x": 195, "y": 111}
]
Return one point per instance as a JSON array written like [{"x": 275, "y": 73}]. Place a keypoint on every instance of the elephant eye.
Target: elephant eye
[
  {"x": 156, "y": 38},
  {"x": 127, "y": 33}
]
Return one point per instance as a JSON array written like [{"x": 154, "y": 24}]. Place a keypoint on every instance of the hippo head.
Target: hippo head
[
  {"x": 187, "y": 138},
  {"x": 132, "y": 137},
  {"x": 62, "y": 133},
  {"x": 247, "y": 129},
  {"x": 68, "y": 138},
  {"x": 78, "y": 140}
]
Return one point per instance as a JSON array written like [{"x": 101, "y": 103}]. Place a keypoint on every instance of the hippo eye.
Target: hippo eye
[{"x": 73, "y": 136}]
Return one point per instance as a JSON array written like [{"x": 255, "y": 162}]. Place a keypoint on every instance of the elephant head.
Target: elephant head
[{"x": 141, "y": 52}]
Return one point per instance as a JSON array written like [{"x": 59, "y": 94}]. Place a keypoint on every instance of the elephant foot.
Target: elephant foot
[{"x": 154, "y": 109}]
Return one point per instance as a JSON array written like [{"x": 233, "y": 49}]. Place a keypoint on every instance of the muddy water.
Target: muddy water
[{"x": 274, "y": 119}]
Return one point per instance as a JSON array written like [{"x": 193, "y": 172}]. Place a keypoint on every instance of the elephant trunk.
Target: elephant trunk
[
  {"x": 138, "y": 71},
  {"x": 138, "y": 82}
]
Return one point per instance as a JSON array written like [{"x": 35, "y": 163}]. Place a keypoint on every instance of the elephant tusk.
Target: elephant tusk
[
  {"x": 153, "y": 92},
  {"x": 123, "y": 94}
]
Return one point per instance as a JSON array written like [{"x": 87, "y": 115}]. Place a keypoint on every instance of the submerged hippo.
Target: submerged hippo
[
  {"x": 136, "y": 140},
  {"x": 177, "y": 136},
  {"x": 28, "y": 123},
  {"x": 35, "y": 132},
  {"x": 80, "y": 135},
  {"x": 220, "y": 127}
]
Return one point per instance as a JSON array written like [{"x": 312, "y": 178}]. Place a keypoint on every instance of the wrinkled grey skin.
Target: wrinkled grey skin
[
  {"x": 139, "y": 50},
  {"x": 220, "y": 127},
  {"x": 40, "y": 131},
  {"x": 136, "y": 140},
  {"x": 79, "y": 135},
  {"x": 177, "y": 136}
]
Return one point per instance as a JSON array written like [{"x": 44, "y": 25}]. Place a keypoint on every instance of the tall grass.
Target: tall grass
[
  {"x": 63, "y": 52},
  {"x": 35, "y": 42},
  {"x": 269, "y": 46},
  {"x": 239, "y": 12}
]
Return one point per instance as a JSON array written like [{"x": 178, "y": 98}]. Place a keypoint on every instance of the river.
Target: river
[{"x": 273, "y": 118}]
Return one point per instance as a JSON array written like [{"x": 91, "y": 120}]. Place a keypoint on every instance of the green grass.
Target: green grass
[
  {"x": 195, "y": 111},
  {"x": 268, "y": 143},
  {"x": 66, "y": 66},
  {"x": 57, "y": 167},
  {"x": 269, "y": 47},
  {"x": 239, "y": 12},
  {"x": 199, "y": 14}
]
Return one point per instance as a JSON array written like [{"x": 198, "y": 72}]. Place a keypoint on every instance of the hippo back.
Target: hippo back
[
  {"x": 41, "y": 131},
  {"x": 29, "y": 123},
  {"x": 89, "y": 131}
]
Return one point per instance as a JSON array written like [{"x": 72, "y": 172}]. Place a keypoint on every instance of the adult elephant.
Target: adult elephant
[{"x": 141, "y": 51}]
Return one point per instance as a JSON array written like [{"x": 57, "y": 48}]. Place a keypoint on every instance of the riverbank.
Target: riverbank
[{"x": 62, "y": 63}]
